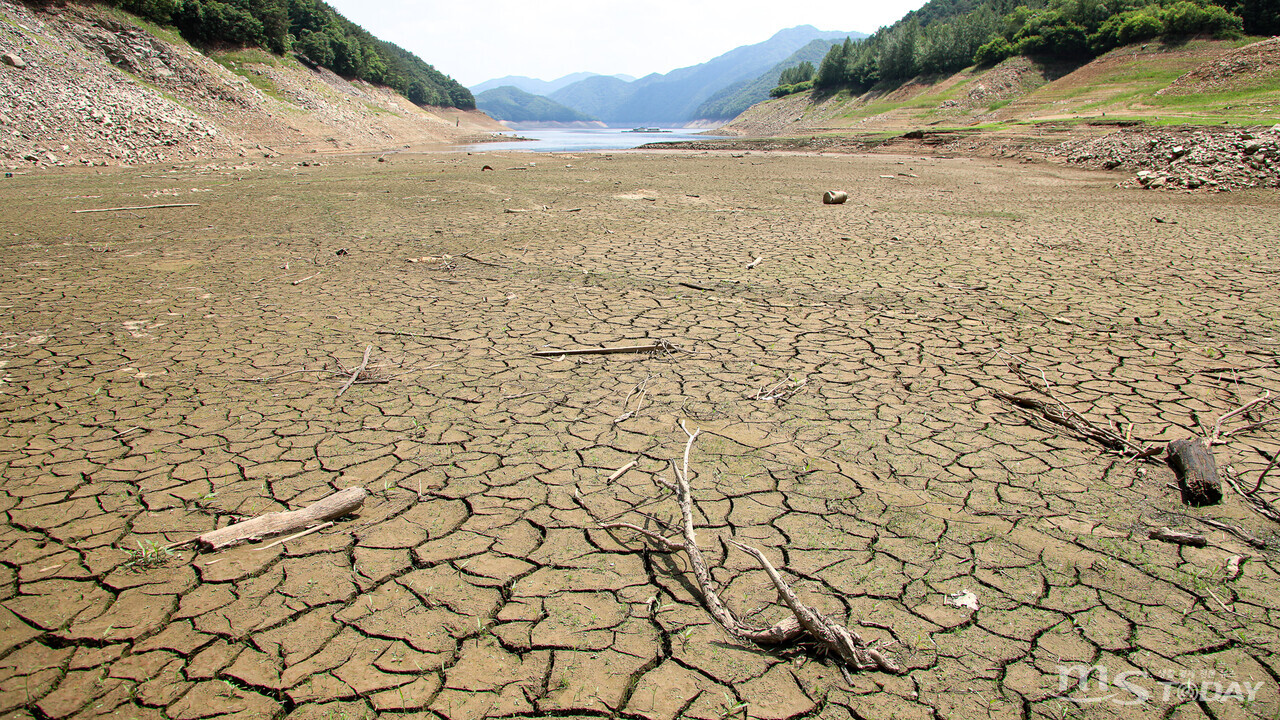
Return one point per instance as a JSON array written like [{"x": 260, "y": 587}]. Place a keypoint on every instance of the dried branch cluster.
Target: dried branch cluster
[{"x": 833, "y": 637}]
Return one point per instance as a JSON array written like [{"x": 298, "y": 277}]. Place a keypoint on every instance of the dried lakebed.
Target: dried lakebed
[{"x": 168, "y": 371}]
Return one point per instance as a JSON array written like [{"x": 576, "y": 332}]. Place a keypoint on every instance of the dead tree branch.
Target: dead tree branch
[
  {"x": 363, "y": 364},
  {"x": 1217, "y": 437},
  {"x": 1059, "y": 413},
  {"x": 652, "y": 347},
  {"x": 834, "y": 637}
]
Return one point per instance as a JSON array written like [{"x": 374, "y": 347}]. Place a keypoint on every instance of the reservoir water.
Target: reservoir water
[{"x": 583, "y": 140}]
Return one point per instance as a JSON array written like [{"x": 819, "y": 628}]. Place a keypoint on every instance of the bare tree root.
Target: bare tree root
[{"x": 829, "y": 634}]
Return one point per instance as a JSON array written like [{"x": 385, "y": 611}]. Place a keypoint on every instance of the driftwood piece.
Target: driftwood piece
[
  {"x": 334, "y": 506},
  {"x": 138, "y": 207},
  {"x": 1177, "y": 537},
  {"x": 834, "y": 637},
  {"x": 652, "y": 347},
  {"x": 1197, "y": 472}
]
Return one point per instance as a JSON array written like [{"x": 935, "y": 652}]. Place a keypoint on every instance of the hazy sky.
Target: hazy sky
[{"x": 547, "y": 39}]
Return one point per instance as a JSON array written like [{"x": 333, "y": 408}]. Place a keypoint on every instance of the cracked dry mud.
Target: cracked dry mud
[{"x": 474, "y": 584}]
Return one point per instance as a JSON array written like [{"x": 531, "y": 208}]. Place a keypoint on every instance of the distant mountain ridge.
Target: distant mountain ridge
[
  {"x": 733, "y": 100},
  {"x": 535, "y": 86},
  {"x": 511, "y": 104},
  {"x": 675, "y": 98}
]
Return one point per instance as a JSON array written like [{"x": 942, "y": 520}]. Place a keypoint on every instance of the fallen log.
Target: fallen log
[
  {"x": 334, "y": 506},
  {"x": 1196, "y": 470}
]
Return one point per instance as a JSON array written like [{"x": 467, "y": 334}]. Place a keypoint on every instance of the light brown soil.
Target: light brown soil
[{"x": 472, "y": 584}]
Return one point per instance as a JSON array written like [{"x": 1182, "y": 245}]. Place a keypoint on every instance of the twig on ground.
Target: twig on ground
[
  {"x": 363, "y": 363},
  {"x": 1266, "y": 399},
  {"x": 299, "y": 281},
  {"x": 482, "y": 262},
  {"x": 1263, "y": 475},
  {"x": 755, "y": 262},
  {"x": 295, "y": 536},
  {"x": 1260, "y": 505},
  {"x": 653, "y": 347},
  {"x": 642, "y": 388},
  {"x": 1237, "y": 531},
  {"x": 622, "y": 471},
  {"x": 398, "y": 333},
  {"x": 781, "y": 390},
  {"x": 1222, "y": 604}
]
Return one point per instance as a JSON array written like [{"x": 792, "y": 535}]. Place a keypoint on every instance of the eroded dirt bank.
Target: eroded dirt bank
[
  {"x": 86, "y": 85},
  {"x": 473, "y": 583}
]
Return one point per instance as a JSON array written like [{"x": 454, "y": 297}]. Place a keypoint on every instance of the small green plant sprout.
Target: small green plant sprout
[{"x": 148, "y": 555}]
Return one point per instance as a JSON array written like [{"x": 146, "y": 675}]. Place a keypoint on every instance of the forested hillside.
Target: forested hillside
[
  {"x": 312, "y": 29},
  {"x": 512, "y": 104},
  {"x": 947, "y": 35}
]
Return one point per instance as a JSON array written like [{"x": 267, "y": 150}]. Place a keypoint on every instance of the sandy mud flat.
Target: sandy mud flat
[{"x": 167, "y": 371}]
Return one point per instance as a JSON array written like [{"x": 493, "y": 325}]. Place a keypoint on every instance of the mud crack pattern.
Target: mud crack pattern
[{"x": 885, "y": 479}]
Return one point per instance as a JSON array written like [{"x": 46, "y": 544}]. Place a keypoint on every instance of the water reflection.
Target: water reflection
[{"x": 583, "y": 140}]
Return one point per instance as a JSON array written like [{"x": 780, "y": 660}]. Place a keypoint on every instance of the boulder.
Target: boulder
[{"x": 14, "y": 60}]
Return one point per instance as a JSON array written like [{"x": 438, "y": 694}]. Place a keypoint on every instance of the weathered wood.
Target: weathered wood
[
  {"x": 355, "y": 375},
  {"x": 1178, "y": 537},
  {"x": 1197, "y": 472},
  {"x": 138, "y": 207},
  {"x": 652, "y": 347},
  {"x": 334, "y": 506}
]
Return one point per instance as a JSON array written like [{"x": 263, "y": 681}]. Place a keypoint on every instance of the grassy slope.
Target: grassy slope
[{"x": 1118, "y": 87}]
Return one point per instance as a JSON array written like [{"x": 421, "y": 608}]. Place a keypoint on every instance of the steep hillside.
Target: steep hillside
[
  {"x": 1199, "y": 82},
  {"x": 513, "y": 105},
  {"x": 674, "y": 98},
  {"x": 1199, "y": 116},
  {"x": 94, "y": 86}
]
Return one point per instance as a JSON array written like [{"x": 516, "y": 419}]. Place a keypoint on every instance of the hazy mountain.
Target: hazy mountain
[
  {"x": 539, "y": 87},
  {"x": 595, "y": 96},
  {"x": 731, "y": 101},
  {"x": 512, "y": 104},
  {"x": 674, "y": 98}
]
